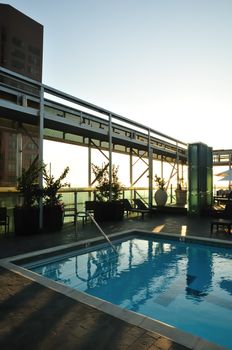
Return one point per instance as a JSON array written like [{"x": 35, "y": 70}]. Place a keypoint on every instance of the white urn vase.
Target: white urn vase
[{"x": 161, "y": 197}]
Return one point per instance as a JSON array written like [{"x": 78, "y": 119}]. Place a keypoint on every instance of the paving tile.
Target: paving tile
[
  {"x": 153, "y": 334},
  {"x": 34, "y": 317},
  {"x": 137, "y": 331},
  {"x": 154, "y": 347}
]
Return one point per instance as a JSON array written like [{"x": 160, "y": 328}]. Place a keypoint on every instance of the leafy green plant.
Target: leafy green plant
[
  {"x": 181, "y": 185},
  {"x": 160, "y": 182},
  {"x": 103, "y": 179},
  {"x": 28, "y": 184},
  {"x": 52, "y": 186}
]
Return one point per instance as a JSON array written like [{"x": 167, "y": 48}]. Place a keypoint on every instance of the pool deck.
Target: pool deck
[{"x": 35, "y": 317}]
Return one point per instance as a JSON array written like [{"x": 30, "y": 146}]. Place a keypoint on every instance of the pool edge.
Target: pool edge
[{"x": 176, "y": 335}]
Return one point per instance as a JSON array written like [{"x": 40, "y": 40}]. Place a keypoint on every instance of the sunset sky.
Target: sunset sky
[{"x": 163, "y": 63}]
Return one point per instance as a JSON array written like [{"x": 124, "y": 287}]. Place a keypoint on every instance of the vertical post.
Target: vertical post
[
  {"x": 171, "y": 194},
  {"x": 41, "y": 127},
  {"x": 110, "y": 156},
  {"x": 177, "y": 164},
  {"x": 131, "y": 171},
  {"x": 19, "y": 154},
  {"x": 150, "y": 170},
  {"x": 230, "y": 169},
  {"x": 89, "y": 168},
  {"x": 75, "y": 207},
  {"x": 162, "y": 167}
]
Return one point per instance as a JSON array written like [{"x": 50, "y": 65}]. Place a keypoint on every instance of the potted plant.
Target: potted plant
[
  {"x": 53, "y": 211},
  {"x": 161, "y": 194},
  {"x": 181, "y": 193},
  {"x": 26, "y": 215},
  {"x": 106, "y": 209}
]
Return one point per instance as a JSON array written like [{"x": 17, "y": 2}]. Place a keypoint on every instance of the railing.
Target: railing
[
  {"x": 98, "y": 227},
  {"x": 74, "y": 199}
]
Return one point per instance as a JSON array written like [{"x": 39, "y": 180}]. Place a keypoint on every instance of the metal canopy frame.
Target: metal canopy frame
[{"x": 63, "y": 117}]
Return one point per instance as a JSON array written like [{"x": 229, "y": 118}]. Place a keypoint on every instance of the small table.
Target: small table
[
  {"x": 83, "y": 215},
  {"x": 225, "y": 223}
]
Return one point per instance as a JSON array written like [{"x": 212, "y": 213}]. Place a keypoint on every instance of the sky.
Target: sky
[{"x": 163, "y": 63}]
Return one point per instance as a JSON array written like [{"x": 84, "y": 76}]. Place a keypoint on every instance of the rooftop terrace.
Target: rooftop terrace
[{"x": 39, "y": 318}]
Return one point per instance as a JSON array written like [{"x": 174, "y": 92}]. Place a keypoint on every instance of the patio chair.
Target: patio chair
[
  {"x": 128, "y": 208},
  {"x": 225, "y": 213},
  {"x": 4, "y": 219},
  {"x": 222, "y": 218},
  {"x": 89, "y": 209},
  {"x": 89, "y": 206}
]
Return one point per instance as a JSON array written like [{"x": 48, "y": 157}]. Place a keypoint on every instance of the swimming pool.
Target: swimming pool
[{"x": 185, "y": 285}]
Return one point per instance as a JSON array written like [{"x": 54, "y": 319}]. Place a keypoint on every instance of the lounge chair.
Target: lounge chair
[
  {"x": 128, "y": 208},
  {"x": 225, "y": 213},
  {"x": 141, "y": 205}
]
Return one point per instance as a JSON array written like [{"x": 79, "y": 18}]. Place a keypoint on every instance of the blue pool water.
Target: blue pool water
[{"x": 186, "y": 285}]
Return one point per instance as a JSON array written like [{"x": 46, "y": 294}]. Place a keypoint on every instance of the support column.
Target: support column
[
  {"x": 162, "y": 167},
  {"x": 131, "y": 172},
  {"x": 19, "y": 154},
  {"x": 150, "y": 171},
  {"x": 110, "y": 156},
  {"x": 177, "y": 164},
  {"x": 41, "y": 128},
  {"x": 89, "y": 167}
]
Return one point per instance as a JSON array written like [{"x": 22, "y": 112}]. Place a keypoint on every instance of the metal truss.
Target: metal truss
[{"x": 61, "y": 117}]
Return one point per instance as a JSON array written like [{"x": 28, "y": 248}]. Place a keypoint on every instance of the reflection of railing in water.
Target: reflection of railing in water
[{"x": 96, "y": 224}]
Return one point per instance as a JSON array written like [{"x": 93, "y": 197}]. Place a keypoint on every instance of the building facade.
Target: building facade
[
  {"x": 21, "y": 43},
  {"x": 21, "y": 51}
]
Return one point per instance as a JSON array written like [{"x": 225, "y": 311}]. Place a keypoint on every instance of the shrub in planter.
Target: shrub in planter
[
  {"x": 106, "y": 210},
  {"x": 53, "y": 214},
  {"x": 26, "y": 216},
  {"x": 26, "y": 220},
  {"x": 109, "y": 211},
  {"x": 53, "y": 218},
  {"x": 181, "y": 194}
]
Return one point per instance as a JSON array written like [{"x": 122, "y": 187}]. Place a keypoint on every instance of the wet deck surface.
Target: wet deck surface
[{"x": 34, "y": 317}]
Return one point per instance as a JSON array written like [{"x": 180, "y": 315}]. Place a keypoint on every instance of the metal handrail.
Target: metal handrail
[{"x": 99, "y": 228}]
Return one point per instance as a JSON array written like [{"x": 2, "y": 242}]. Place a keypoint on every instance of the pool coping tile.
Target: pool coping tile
[{"x": 146, "y": 323}]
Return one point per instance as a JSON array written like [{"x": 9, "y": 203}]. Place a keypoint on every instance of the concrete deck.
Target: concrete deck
[{"x": 35, "y": 317}]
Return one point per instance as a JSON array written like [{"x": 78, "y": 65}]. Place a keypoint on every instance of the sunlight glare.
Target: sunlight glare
[
  {"x": 158, "y": 229},
  {"x": 183, "y": 230}
]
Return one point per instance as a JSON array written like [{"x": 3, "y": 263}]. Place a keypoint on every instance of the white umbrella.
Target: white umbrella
[
  {"x": 227, "y": 175},
  {"x": 226, "y": 178}
]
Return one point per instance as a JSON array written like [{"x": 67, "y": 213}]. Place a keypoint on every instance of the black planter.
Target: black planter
[
  {"x": 53, "y": 218},
  {"x": 108, "y": 211},
  {"x": 26, "y": 221}
]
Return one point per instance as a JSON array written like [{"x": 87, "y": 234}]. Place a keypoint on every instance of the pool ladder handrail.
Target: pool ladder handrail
[{"x": 97, "y": 225}]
